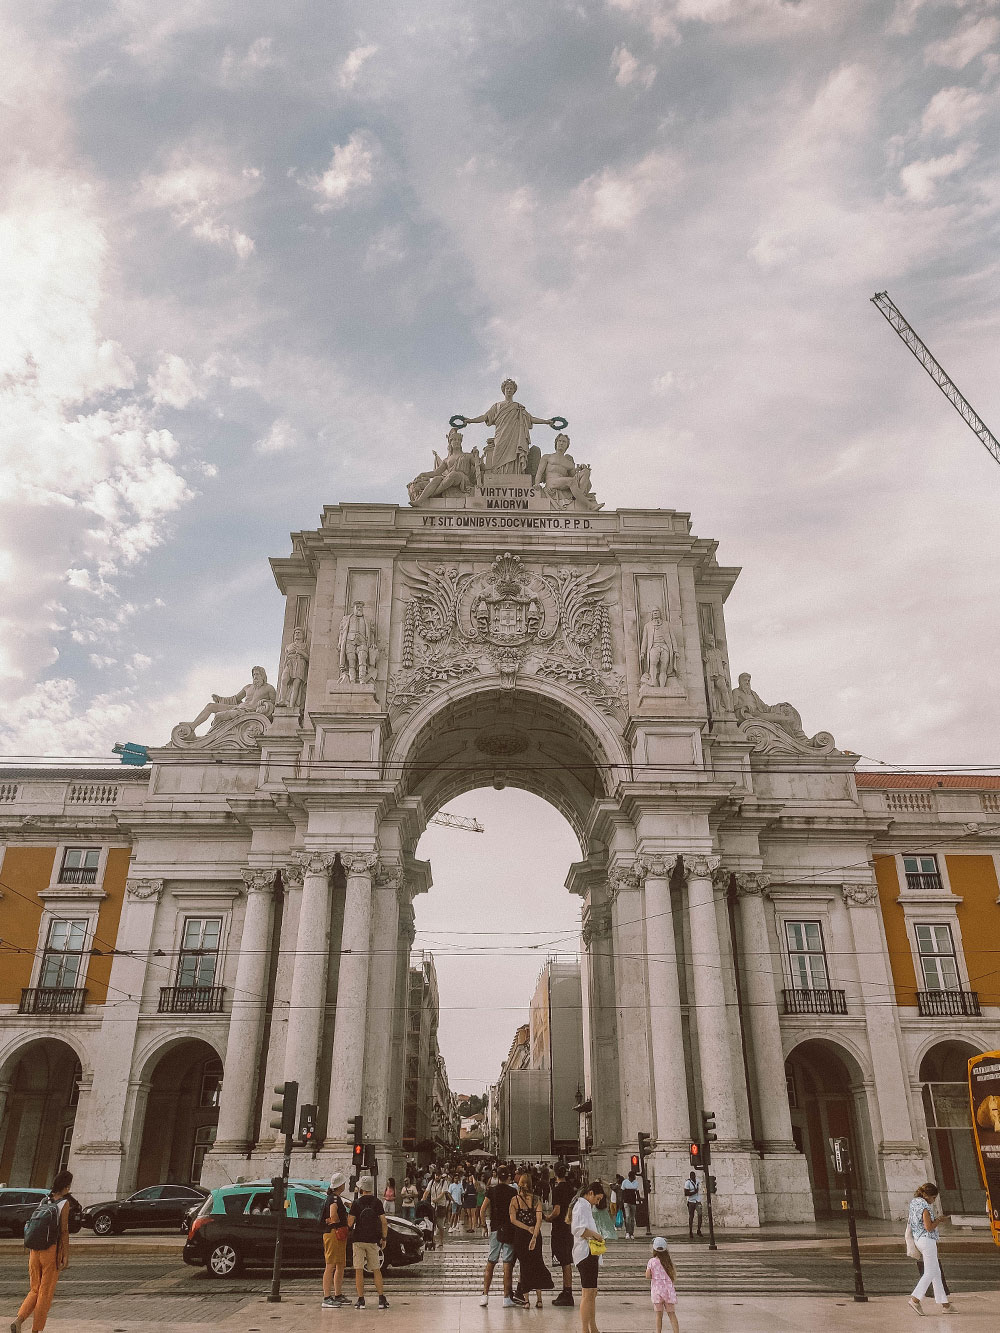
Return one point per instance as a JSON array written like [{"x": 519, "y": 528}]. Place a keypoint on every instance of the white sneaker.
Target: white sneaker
[
  {"x": 484, "y": 1300},
  {"x": 508, "y": 1304}
]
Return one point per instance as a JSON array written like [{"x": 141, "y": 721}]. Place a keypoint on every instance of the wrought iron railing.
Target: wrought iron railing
[
  {"x": 815, "y": 1001},
  {"x": 52, "y": 1000},
  {"x": 191, "y": 999},
  {"x": 948, "y": 1004},
  {"x": 930, "y": 882}
]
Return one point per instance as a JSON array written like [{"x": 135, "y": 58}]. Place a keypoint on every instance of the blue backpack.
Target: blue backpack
[{"x": 41, "y": 1231}]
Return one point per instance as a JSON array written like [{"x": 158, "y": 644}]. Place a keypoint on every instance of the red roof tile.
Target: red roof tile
[{"x": 973, "y": 781}]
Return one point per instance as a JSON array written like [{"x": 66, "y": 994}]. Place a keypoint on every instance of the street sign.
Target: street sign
[
  {"x": 984, "y": 1099},
  {"x": 841, "y": 1156}
]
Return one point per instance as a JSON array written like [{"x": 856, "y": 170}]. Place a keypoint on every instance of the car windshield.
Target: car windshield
[{"x": 308, "y": 1204}]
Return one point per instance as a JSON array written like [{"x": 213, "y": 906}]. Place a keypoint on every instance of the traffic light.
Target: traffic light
[
  {"x": 307, "y": 1124},
  {"x": 695, "y": 1156},
  {"x": 276, "y": 1203},
  {"x": 712, "y": 1187},
  {"x": 644, "y": 1141},
  {"x": 357, "y": 1129},
  {"x": 634, "y": 1163},
  {"x": 709, "y": 1135},
  {"x": 287, "y": 1094}
]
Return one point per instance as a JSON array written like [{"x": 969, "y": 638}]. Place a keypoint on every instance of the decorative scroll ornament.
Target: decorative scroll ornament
[
  {"x": 658, "y": 865},
  {"x": 314, "y": 862},
  {"x": 775, "y": 728},
  {"x": 862, "y": 893},
  {"x": 506, "y": 620},
  {"x": 258, "y": 881},
  {"x": 144, "y": 889},
  {"x": 625, "y": 877},
  {"x": 700, "y": 867},
  {"x": 596, "y": 923},
  {"x": 359, "y": 863}
]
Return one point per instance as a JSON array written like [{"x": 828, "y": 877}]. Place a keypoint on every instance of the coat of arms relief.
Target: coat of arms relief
[{"x": 506, "y": 620}]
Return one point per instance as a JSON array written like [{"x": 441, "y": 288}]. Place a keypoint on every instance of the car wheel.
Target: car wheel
[
  {"x": 104, "y": 1224},
  {"x": 224, "y": 1260}
]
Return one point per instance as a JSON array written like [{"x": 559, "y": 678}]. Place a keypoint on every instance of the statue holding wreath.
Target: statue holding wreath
[{"x": 512, "y": 423}]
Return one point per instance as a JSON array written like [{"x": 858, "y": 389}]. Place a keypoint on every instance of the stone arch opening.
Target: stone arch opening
[
  {"x": 39, "y": 1093},
  {"x": 827, "y": 1099},
  {"x": 182, "y": 1085},
  {"x": 944, "y": 1093}
]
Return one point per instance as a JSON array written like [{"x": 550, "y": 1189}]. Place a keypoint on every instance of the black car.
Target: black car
[
  {"x": 235, "y": 1229},
  {"x": 17, "y": 1203},
  {"x": 160, "y": 1206}
]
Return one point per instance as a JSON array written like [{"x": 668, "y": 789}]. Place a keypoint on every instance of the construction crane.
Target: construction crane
[
  {"x": 938, "y": 374},
  {"x": 457, "y": 821}
]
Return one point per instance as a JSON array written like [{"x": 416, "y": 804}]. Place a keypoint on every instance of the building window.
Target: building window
[
  {"x": 199, "y": 951},
  {"x": 937, "y": 957},
  {"x": 211, "y": 1083},
  {"x": 806, "y": 955},
  {"x": 922, "y": 872},
  {"x": 79, "y": 865},
  {"x": 62, "y": 961},
  {"x": 67, "y": 1143},
  {"x": 204, "y": 1137}
]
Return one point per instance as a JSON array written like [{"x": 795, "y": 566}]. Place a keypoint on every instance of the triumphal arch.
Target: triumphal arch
[{"x": 505, "y": 627}]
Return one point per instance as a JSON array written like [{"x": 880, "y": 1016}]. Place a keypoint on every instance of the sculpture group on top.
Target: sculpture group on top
[{"x": 508, "y": 454}]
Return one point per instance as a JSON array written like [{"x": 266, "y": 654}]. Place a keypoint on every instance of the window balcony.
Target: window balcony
[
  {"x": 78, "y": 875},
  {"x": 948, "y": 1004},
  {"x": 815, "y": 1001},
  {"x": 924, "y": 883},
  {"x": 52, "y": 1000},
  {"x": 191, "y": 999}
]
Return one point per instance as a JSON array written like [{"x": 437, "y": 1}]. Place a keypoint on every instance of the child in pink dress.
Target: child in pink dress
[{"x": 661, "y": 1274}]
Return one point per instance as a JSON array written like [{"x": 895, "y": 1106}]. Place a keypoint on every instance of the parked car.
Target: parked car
[
  {"x": 235, "y": 1229},
  {"x": 160, "y": 1206},
  {"x": 17, "y": 1203}
]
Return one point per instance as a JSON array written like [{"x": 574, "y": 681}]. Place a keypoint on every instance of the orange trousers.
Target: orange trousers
[{"x": 43, "y": 1275}]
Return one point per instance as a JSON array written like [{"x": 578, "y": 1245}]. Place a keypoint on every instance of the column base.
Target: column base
[
  {"x": 900, "y": 1164},
  {"x": 97, "y": 1171},
  {"x": 784, "y": 1193}
]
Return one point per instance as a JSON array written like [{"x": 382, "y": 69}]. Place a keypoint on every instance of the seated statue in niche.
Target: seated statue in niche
[
  {"x": 457, "y": 471},
  {"x": 565, "y": 482},
  {"x": 294, "y": 669},
  {"x": 256, "y": 699},
  {"x": 657, "y": 650}
]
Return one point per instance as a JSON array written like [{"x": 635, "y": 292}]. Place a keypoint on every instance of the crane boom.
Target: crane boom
[
  {"x": 457, "y": 821},
  {"x": 896, "y": 318}
]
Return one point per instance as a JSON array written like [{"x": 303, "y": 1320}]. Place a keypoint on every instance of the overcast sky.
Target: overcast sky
[{"x": 253, "y": 256}]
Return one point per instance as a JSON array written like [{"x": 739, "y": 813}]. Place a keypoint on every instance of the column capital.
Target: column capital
[
  {"x": 752, "y": 883},
  {"x": 625, "y": 875},
  {"x": 389, "y": 875},
  {"x": 596, "y": 921},
  {"x": 291, "y": 874},
  {"x": 359, "y": 863},
  {"x": 696, "y": 865},
  {"x": 144, "y": 889},
  {"x": 657, "y": 865},
  {"x": 314, "y": 862},
  {"x": 258, "y": 880},
  {"x": 859, "y": 892}
]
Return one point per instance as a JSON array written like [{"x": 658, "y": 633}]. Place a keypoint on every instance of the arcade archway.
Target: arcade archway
[
  {"x": 41, "y": 1086},
  {"x": 944, "y": 1092},
  {"x": 182, "y": 1112}
]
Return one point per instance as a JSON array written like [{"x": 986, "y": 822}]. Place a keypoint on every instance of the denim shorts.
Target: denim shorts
[{"x": 499, "y": 1250}]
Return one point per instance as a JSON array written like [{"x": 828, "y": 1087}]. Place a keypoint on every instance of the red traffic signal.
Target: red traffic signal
[
  {"x": 358, "y": 1156},
  {"x": 695, "y": 1155},
  {"x": 634, "y": 1163}
]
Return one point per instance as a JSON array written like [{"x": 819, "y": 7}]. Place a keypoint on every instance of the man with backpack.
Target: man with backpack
[
  {"x": 369, "y": 1229},
  {"x": 46, "y": 1238},
  {"x": 335, "y": 1232}
]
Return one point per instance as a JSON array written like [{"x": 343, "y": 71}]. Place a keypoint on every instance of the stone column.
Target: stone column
[
  {"x": 382, "y": 1000},
  {"x": 902, "y": 1158},
  {"x": 631, "y": 1001},
  {"x": 239, "y": 1084},
  {"x": 672, "y": 1126},
  {"x": 762, "y": 1012},
  {"x": 348, "y": 1061},
  {"x": 103, "y": 1153},
  {"x": 308, "y": 995},
  {"x": 715, "y": 1052}
]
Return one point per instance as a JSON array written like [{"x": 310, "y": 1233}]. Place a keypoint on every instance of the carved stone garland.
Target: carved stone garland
[
  {"x": 861, "y": 893},
  {"x": 506, "y": 619},
  {"x": 144, "y": 889}
]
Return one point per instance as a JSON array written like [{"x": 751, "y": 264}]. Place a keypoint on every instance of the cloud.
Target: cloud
[
  {"x": 279, "y": 438},
  {"x": 952, "y": 110},
  {"x": 238, "y": 67},
  {"x": 920, "y": 179},
  {"x": 351, "y": 168},
  {"x": 628, "y": 70},
  {"x": 196, "y": 191},
  {"x": 612, "y": 200},
  {"x": 350, "y": 70},
  {"x": 973, "y": 37},
  {"x": 173, "y": 385}
]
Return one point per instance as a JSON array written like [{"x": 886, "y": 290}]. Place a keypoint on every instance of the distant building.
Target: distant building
[
  {"x": 429, "y": 1109},
  {"x": 556, "y": 1027}
]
